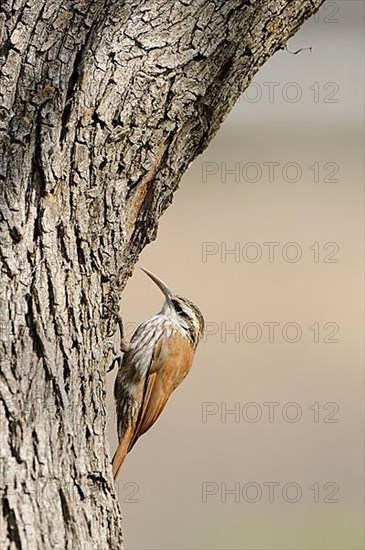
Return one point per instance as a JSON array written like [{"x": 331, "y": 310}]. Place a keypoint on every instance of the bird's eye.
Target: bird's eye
[{"x": 179, "y": 309}]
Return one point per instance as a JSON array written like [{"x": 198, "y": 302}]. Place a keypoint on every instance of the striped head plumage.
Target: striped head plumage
[{"x": 184, "y": 312}]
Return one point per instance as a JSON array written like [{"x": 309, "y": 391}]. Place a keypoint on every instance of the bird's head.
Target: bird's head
[{"x": 186, "y": 312}]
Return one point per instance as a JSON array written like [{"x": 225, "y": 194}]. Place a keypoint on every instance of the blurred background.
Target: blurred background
[{"x": 262, "y": 446}]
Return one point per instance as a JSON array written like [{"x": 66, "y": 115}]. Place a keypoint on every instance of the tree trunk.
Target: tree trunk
[{"x": 104, "y": 104}]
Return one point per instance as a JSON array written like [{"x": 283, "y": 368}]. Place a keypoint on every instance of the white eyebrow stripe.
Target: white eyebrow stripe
[{"x": 186, "y": 310}]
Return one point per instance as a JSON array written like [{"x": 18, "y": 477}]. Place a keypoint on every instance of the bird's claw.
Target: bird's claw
[{"x": 117, "y": 359}]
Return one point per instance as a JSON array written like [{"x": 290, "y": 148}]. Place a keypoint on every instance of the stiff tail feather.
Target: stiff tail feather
[{"x": 121, "y": 453}]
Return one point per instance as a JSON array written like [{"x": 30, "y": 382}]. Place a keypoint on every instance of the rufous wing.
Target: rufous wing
[{"x": 170, "y": 364}]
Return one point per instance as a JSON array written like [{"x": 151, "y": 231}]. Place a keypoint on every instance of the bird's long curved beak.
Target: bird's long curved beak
[{"x": 161, "y": 285}]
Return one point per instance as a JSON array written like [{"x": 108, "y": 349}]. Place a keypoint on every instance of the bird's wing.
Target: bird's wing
[{"x": 170, "y": 364}]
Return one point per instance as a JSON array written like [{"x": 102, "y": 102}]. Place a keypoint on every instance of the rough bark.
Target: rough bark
[{"x": 103, "y": 106}]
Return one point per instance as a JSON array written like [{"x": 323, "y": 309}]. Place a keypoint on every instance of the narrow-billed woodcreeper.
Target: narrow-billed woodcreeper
[{"x": 154, "y": 363}]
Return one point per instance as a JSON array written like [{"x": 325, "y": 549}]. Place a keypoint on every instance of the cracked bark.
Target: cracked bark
[{"x": 104, "y": 104}]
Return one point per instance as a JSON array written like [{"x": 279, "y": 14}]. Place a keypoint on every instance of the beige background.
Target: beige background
[{"x": 161, "y": 484}]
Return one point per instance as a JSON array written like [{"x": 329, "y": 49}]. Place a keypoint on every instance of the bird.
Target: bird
[{"x": 154, "y": 363}]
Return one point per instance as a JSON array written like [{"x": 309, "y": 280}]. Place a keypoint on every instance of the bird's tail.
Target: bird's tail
[
  {"x": 121, "y": 452},
  {"x": 119, "y": 457}
]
